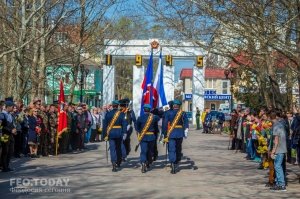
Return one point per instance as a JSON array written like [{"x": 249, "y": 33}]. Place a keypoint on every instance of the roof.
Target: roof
[
  {"x": 214, "y": 73},
  {"x": 186, "y": 73}
]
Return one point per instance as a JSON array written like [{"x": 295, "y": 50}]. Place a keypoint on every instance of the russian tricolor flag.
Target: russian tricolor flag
[{"x": 158, "y": 85}]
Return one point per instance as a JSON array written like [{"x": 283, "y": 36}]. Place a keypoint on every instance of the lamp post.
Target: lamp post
[
  {"x": 229, "y": 75},
  {"x": 84, "y": 73}
]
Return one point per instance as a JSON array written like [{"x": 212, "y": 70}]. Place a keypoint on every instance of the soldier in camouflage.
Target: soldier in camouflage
[{"x": 52, "y": 128}]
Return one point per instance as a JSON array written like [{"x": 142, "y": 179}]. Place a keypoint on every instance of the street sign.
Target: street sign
[
  {"x": 217, "y": 97},
  {"x": 210, "y": 92},
  {"x": 188, "y": 96}
]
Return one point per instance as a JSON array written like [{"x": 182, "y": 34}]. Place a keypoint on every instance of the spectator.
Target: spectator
[
  {"x": 203, "y": 115},
  {"x": 34, "y": 132},
  {"x": 279, "y": 149},
  {"x": 25, "y": 128},
  {"x": 233, "y": 128},
  {"x": 208, "y": 122},
  {"x": 96, "y": 125},
  {"x": 7, "y": 139},
  {"x": 220, "y": 119},
  {"x": 197, "y": 118}
]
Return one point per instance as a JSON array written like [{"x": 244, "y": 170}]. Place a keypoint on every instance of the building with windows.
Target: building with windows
[
  {"x": 217, "y": 88},
  {"x": 89, "y": 77}
]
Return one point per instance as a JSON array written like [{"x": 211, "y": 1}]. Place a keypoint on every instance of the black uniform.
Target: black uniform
[{"x": 7, "y": 142}]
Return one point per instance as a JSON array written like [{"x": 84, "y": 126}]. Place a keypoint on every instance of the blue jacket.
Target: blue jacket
[
  {"x": 120, "y": 125},
  {"x": 182, "y": 124},
  {"x": 141, "y": 122},
  {"x": 208, "y": 118},
  {"x": 221, "y": 116}
]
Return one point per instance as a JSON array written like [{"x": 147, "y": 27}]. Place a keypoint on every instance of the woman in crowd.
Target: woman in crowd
[
  {"x": 34, "y": 123},
  {"x": 96, "y": 117}
]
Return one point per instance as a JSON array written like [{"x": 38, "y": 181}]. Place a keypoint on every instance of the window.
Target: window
[
  {"x": 210, "y": 83},
  {"x": 225, "y": 87},
  {"x": 212, "y": 107}
]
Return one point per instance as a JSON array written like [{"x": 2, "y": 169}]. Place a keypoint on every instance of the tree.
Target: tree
[{"x": 228, "y": 28}]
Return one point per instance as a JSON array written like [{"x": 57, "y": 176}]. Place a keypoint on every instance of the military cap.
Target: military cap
[
  {"x": 10, "y": 99},
  {"x": 115, "y": 102},
  {"x": 177, "y": 102},
  {"x": 171, "y": 102},
  {"x": 147, "y": 106},
  {"x": 9, "y": 103}
]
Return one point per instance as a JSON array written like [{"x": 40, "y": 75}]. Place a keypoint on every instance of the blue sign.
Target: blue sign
[
  {"x": 217, "y": 97},
  {"x": 188, "y": 96},
  {"x": 210, "y": 92}
]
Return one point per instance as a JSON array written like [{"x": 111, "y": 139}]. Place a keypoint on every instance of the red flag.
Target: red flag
[{"x": 62, "y": 115}]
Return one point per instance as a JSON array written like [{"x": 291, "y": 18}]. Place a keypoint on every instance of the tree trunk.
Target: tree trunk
[
  {"x": 42, "y": 61},
  {"x": 34, "y": 67},
  {"x": 81, "y": 34}
]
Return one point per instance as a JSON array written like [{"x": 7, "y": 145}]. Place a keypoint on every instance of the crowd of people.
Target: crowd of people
[
  {"x": 31, "y": 131},
  {"x": 270, "y": 137}
]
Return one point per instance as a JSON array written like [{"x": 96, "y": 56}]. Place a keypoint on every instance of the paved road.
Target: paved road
[{"x": 208, "y": 170}]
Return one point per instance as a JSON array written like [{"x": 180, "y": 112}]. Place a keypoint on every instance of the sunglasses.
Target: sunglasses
[{"x": 35, "y": 111}]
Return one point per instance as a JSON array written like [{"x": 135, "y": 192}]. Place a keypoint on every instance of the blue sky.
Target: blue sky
[{"x": 180, "y": 64}]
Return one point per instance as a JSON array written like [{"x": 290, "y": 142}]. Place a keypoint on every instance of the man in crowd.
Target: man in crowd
[
  {"x": 81, "y": 129},
  {"x": 279, "y": 149},
  {"x": 44, "y": 136},
  {"x": 207, "y": 125},
  {"x": 197, "y": 118},
  {"x": 52, "y": 128},
  {"x": 7, "y": 138}
]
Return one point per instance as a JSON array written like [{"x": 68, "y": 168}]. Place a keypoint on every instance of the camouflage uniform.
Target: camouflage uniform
[
  {"x": 53, "y": 131},
  {"x": 44, "y": 137}
]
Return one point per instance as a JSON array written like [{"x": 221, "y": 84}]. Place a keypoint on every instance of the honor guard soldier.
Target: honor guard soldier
[
  {"x": 176, "y": 128},
  {"x": 147, "y": 127},
  {"x": 114, "y": 130},
  {"x": 130, "y": 118}
]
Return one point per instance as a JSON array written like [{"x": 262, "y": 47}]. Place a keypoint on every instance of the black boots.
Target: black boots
[
  {"x": 144, "y": 168},
  {"x": 173, "y": 168},
  {"x": 114, "y": 169}
]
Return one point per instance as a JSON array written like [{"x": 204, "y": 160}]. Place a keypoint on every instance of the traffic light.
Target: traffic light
[
  {"x": 169, "y": 60},
  {"x": 199, "y": 61},
  {"x": 108, "y": 60},
  {"x": 138, "y": 60}
]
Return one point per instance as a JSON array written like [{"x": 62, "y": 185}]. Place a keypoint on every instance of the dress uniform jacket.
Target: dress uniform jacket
[
  {"x": 119, "y": 128},
  {"x": 153, "y": 128},
  {"x": 182, "y": 124}
]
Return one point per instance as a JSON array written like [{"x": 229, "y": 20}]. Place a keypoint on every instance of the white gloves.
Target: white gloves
[
  {"x": 124, "y": 136},
  {"x": 186, "y": 132},
  {"x": 128, "y": 127}
]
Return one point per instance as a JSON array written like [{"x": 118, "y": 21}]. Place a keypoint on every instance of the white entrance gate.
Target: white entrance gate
[{"x": 131, "y": 48}]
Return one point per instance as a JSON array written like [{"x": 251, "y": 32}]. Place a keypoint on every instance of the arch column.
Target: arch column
[
  {"x": 138, "y": 77},
  {"x": 198, "y": 90},
  {"x": 108, "y": 84},
  {"x": 169, "y": 82}
]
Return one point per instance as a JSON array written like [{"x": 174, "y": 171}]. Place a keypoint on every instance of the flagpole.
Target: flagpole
[{"x": 56, "y": 146}]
